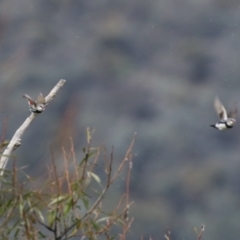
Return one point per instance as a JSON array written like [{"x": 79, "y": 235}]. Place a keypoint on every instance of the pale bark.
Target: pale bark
[{"x": 16, "y": 139}]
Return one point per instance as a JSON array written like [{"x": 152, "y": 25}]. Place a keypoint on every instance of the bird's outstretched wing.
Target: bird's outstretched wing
[
  {"x": 41, "y": 98},
  {"x": 220, "y": 109},
  {"x": 233, "y": 113},
  {"x": 30, "y": 101}
]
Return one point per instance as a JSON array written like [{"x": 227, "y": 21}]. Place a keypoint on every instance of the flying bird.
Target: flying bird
[
  {"x": 227, "y": 120},
  {"x": 36, "y": 106}
]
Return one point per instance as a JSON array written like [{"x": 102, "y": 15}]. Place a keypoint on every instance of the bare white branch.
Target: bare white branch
[{"x": 16, "y": 139}]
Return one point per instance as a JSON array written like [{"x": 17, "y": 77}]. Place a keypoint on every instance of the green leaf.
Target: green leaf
[
  {"x": 16, "y": 233},
  {"x": 39, "y": 214},
  {"x": 68, "y": 206},
  {"x": 88, "y": 153},
  {"x": 73, "y": 232},
  {"x": 85, "y": 202},
  {"x": 16, "y": 224},
  {"x": 57, "y": 200},
  {"x": 103, "y": 219},
  {"x": 51, "y": 217},
  {"x": 95, "y": 225},
  {"x": 42, "y": 235},
  {"x": 94, "y": 176},
  {"x": 21, "y": 209}
]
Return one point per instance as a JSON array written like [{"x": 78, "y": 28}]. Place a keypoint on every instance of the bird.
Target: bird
[
  {"x": 36, "y": 106},
  {"x": 227, "y": 120}
]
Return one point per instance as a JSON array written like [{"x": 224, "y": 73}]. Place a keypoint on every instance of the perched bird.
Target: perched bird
[
  {"x": 227, "y": 120},
  {"x": 36, "y": 106}
]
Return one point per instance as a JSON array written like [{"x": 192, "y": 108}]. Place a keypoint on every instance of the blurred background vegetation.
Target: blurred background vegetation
[{"x": 151, "y": 67}]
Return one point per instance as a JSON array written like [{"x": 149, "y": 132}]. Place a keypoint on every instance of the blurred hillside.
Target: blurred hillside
[{"x": 151, "y": 67}]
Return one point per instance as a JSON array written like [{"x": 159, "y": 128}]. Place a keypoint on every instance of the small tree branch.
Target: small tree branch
[{"x": 16, "y": 139}]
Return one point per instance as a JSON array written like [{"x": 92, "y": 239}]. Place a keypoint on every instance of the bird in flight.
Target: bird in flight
[{"x": 227, "y": 120}]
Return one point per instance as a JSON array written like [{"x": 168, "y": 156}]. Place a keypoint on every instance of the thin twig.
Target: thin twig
[
  {"x": 66, "y": 171},
  {"x": 55, "y": 228},
  {"x": 126, "y": 158},
  {"x": 74, "y": 158},
  {"x": 97, "y": 202},
  {"x": 127, "y": 224},
  {"x": 110, "y": 180}
]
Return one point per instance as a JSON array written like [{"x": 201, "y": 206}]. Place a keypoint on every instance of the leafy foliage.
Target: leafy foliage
[{"x": 69, "y": 203}]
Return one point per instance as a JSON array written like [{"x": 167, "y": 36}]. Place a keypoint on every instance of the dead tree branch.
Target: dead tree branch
[{"x": 16, "y": 139}]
